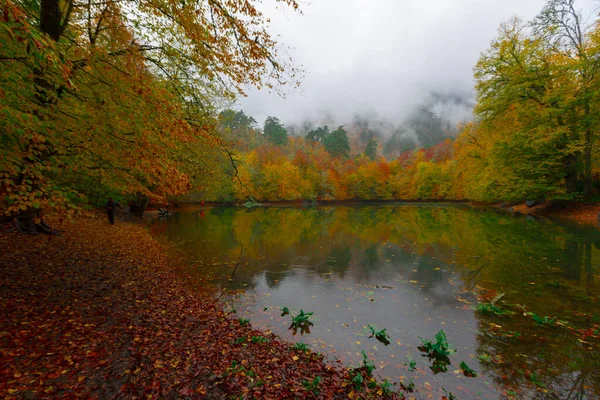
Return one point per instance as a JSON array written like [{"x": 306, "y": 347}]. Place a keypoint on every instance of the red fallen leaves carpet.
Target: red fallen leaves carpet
[{"x": 100, "y": 313}]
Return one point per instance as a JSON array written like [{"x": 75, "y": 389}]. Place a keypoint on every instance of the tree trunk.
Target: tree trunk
[
  {"x": 571, "y": 174},
  {"x": 50, "y": 18},
  {"x": 141, "y": 203},
  {"x": 50, "y": 24},
  {"x": 25, "y": 222},
  {"x": 587, "y": 151}
]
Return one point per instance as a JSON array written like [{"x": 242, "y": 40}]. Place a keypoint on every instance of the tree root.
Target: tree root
[{"x": 35, "y": 229}]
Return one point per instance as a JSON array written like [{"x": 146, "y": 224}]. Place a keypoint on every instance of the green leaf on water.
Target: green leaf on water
[{"x": 467, "y": 371}]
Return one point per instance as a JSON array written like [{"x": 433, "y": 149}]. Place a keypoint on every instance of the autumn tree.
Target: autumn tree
[
  {"x": 567, "y": 34},
  {"x": 120, "y": 94},
  {"x": 524, "y": 103}
]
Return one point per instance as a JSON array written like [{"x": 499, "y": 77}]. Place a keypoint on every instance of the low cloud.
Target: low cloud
[{"x": 384, "y": 58}]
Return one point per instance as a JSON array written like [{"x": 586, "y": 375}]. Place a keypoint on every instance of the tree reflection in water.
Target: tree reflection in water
[{"x": 412, "y": 270}]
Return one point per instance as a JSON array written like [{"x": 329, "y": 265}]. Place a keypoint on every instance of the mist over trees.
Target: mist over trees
[{"x": 531, "y": 134}]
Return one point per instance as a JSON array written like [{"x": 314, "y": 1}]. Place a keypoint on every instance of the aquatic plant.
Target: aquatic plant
[
  {"x": 467, "y": 371},
  {"x": 546, "y": 320},
  {"x": 301, "y": 319},
  {"x": 380, "y": 335},
  {"x": 408, "y": 387},
  {"x": 302, "y": 322},
  {"x": 412, "y": 365},
  {"x": 489, "y": 308},
  {"x": 437, "y": 351},
  {"x": 449, "y": 395}
]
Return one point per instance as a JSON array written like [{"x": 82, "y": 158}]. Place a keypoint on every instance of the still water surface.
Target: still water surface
[{"x": 413, "y": 270}]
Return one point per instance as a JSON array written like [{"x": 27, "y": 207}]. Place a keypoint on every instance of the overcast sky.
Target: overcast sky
[{"x": 381, "y": 57}]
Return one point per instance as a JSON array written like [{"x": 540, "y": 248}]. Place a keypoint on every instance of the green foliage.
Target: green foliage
[
  {"x": 240, "y": 340},
  {"x": 318, "y": 135},
  {"x": 380, "y": 335},
  {"x": 371, "y": 150},
  {"x": 243, "y": 321},
  {"x": 357, "y": 381},
  {"x": 546, "y": 320},
  {"x": 336, "y": 143},
  {"x": 449, "y": 395},
  {"x": 408, "y": 387},
  {"x": 275, "y": 132},
  {"x": 467, "y": 371},
  {"x": 300, "y": 346},
  {"x": 367, "y": 364},
  {"x": 437, "y": 351},
  {"x": 260, "y": 339},
  {"x": 534, "y": 378},
  {"x": 285, "y": 311},
  {"x": 386, "y": 387},
  {"x": 411, "y": 364},
  {"x": 313, "y": 385},
  {"x": 489, "y": 308},
  {"x": 236, "y": 120},
  {"x": 301, "y": 321}
]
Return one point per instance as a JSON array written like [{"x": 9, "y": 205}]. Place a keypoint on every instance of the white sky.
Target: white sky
[{"x": 381, "y": 56}]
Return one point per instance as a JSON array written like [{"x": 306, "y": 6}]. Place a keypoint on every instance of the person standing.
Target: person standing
[{"x": 110, "y": 210}]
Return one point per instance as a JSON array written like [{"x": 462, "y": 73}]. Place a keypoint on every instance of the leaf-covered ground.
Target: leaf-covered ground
[
  {"x": 586, "y": 213},
  {"x": 99, "y": 312}
]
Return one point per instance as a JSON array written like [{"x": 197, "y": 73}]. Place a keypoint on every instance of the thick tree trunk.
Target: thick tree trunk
[
  {"x": 141, "y": 203},
  {"x": 50, "y": 18},
  {"x": 25, "y": 223}
]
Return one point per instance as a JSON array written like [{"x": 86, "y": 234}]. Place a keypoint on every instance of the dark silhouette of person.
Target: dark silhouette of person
[{"x": 110, "y": 210}]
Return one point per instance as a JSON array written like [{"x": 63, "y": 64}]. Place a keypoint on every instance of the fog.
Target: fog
[{"x": 383, "y": 58}]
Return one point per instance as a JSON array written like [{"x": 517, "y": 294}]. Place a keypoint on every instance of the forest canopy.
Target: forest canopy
[
  {"x": 120, "y": 98},
  {"x": 130, "y": 99},
  {"x": 532, "y": 135}
]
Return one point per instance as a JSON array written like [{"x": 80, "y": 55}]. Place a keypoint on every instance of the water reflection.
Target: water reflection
[{"x": 414, "y": 270}]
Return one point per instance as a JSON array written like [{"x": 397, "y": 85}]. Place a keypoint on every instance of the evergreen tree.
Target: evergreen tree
[
  {"x": 275, "y": 132},
  {"x": 336, "y": 143},
  {"x": 371, "y": 149}
]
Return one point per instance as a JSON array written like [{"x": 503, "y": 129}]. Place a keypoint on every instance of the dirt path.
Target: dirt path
[{"x": 100, "y": 313}]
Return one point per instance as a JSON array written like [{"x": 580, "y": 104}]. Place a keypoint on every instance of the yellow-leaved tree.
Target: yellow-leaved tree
[{"x": 119, "y": 97}]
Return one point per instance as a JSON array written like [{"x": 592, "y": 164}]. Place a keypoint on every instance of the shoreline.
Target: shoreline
[
  {"x": 582, "y": 213},
  {"x": 102, "y": 312},
  {"x": 579, "y": 212}
]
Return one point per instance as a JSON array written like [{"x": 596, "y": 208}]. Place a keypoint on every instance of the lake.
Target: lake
[{"x": 515, "y": 295}]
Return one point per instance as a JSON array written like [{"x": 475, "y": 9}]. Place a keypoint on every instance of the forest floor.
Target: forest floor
[{"x": 101, "y": 312}]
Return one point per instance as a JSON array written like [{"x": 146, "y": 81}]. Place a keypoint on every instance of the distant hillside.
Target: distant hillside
[{"x": 428, "y": 124}]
